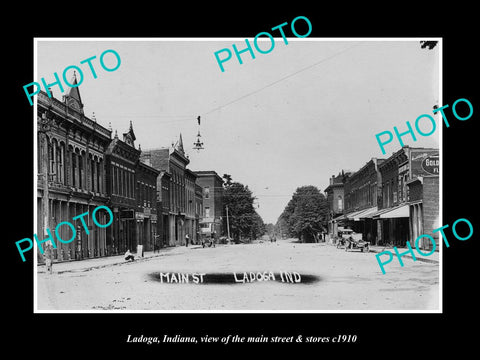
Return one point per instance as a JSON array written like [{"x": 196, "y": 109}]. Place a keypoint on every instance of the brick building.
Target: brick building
[
  {"x": 423, "y": 199},
  {"x": 393, "y": 216},
  {"x": 146, "y": 210},
  {"x": 121, "y": 165},
  {"x": 163, "y": 207},
  {"x": 172, "y": 161},
  {"x": 361, "y": 199},
  {"x": 70, "y": 178},
  {"x": 212, "y": 188}
]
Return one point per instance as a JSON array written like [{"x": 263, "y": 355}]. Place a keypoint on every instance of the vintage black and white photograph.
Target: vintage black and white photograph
[{"x": 285, "y": 174}]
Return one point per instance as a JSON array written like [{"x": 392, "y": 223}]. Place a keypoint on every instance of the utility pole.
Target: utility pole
[
  {"x": 42, "y": 129},
  {"x": 228, "y": 224}
]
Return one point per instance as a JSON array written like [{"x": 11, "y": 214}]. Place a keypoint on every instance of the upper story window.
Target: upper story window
[
  {"x": 340, "y": 203},
  {"x": 206, "y": 192}
]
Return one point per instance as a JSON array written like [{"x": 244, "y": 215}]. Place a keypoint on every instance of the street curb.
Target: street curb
[{"x": 41, "y": 270}]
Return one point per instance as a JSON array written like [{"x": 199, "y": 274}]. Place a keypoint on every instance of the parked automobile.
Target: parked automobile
[
  {"x": 351, "y": 244},
  {"x": 344, "y": 234},
  {"x": 347, "y": 233}
]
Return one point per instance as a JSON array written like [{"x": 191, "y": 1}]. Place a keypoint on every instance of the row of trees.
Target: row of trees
[
  {"x": 305, "y": 216},
  {"x": 244, "y": 221}
]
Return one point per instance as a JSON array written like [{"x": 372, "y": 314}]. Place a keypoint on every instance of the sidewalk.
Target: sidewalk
[
  {"x": 434, "y": 258},
  {"x": 97, "y": 263}
]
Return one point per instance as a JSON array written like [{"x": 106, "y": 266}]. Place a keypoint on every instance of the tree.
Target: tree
[
  {"x": 428, "y": 44},
  {"x": 270, "y": 229},
  {"x": 305, "y": 214},
  {"x": 244, "y": 221},
  {"x": 258, "y": 226}
]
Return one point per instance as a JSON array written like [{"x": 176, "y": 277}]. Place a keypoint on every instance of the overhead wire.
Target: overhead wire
[{"x": 189, "y": 117}]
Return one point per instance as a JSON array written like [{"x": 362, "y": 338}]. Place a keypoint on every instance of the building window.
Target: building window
[
  {"x": 80, "y": 170},
  {"x": 74, "y": 169},
  {"x": 207, "y": 212},
  {"x": 340, "y": 203},
  {"x": 90, "y": 164},
  {"x": 206, "y": 192},
  {"x": 387, "y": 194}
]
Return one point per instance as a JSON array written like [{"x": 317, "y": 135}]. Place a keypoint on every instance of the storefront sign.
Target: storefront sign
[
  {"x": 425, "y": 162},
  {"x": 431, "y": 164},
  {"x": 127, "y": 214}
]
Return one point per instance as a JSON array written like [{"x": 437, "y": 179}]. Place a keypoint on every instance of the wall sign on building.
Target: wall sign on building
[{"x": 431, "y": 164}]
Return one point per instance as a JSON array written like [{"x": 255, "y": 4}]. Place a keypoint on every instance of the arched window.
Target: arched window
[
  {"x": 92, "y": 172},
  {"x": 74, "y": 169},
  {"x": 81, "y": 170},
  {"x": 340, "y": 203}
]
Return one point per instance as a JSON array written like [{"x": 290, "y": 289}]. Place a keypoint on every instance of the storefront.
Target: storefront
[
  {"x": 393, "y": 225},
  {"x": 146, "y": 225}
]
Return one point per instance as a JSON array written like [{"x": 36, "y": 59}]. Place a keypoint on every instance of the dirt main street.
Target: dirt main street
[{"x": 320, "y": 277}]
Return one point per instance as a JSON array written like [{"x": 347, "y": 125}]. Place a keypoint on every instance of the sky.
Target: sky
[{"x": 292, "y": 117}]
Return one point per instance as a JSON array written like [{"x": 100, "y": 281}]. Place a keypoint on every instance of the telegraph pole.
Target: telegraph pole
[
  {"x": 43, "y": 129},
  {"x": 228, "y": 225}
]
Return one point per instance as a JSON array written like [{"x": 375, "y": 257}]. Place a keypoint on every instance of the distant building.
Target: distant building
[
  {"x": 191, "y": 221},
  {"x": 336, "y": 201},
  {"x": 212, "y": 188},
  {"x": 198, "y": 210}
]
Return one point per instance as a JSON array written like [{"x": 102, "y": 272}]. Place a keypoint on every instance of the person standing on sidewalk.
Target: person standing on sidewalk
[
  {"x": 48, "y": 256},
  {"x": 186, "y": 240}
]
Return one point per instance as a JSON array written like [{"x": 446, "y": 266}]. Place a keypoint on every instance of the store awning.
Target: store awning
[
  {"x": 401, "y": 211},
  {"x": 359, "y": 214},
  {"x": 352, "y": 215},
  {"x": 367, "y": 213},
  {"x": 338, "y": 218}
]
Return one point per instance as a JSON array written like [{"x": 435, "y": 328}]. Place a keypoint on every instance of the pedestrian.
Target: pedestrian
[
  {"x": 212, "y": 239},
  {"x": 186, "y": 240},
  {"x": 129, "y": 256},
  {"x": 48, "y": 256}
]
